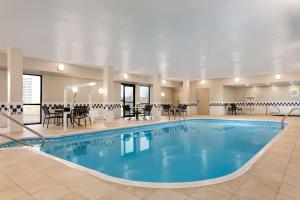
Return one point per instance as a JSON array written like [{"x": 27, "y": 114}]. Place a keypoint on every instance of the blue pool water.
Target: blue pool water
[{"x": 185, "y": 151}]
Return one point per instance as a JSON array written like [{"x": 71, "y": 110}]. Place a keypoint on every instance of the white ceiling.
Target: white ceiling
[{"x": 194, "y": 39}]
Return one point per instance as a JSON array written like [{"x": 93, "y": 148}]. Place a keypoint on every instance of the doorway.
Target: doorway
[
  {"x": 203, "y": 101},
  {"x": 128, "y": 95},
  {"x": 32, "y": 99},
  {"x": 175, "y": 97}
]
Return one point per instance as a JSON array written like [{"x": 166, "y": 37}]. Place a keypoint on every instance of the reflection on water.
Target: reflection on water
[{"x": 135, "y": 142}]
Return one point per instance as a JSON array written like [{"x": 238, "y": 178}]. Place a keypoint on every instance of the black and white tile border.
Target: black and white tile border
[
  {"x": 3, "y": 107},
  {"x": 16, "y": 109},
  {"x": 273, "y": 103},
  {"x": 110, "y": 106},
  {"x": 12, "y": 109}
]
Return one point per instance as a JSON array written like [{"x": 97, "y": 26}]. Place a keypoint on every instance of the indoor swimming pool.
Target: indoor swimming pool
[{"x": 171, "y": 152}]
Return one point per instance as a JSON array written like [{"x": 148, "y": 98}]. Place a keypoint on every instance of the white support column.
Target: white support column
[
  {"x": 156, "y": 112},
  {"x": 65, "y": 105},
  {"x": 15, "y": 87},
  {"x": 137, "y": 94},
  {"x": 117, "y": 97},
  {"x": 188, "y": 96},
  {"x": 216, "y": 99},
  {"x": 185, "y": 97},
  {"x": 108, "y": 92}
]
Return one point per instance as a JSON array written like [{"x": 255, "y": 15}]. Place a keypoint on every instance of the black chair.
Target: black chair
[
  {"x": 87, "y": 112},
  {"x": 48, "y": 115},
  {"x": 78, "y": 113},
  {"x": 234, "y": 109},
  {"x": 166, "y": 109},
  {"x": 227, "y": 108},
  {"x": 127, "y": 112},
  {"x": 182, "y": 108},
  {"x": 147, "y": 111}
]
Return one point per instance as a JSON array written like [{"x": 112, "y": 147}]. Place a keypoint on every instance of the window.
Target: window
[
  {"x": 127, "y": 96},
  {"x": 145, "y": 95},
  {"x": 32, "y": 95}
]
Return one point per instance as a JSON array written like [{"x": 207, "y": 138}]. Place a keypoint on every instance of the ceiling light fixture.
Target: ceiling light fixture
[
  {"x": 125, "y": 76},
  {"x": 100, "y": 90},
  {"x": 202, "y": 82},
  {"x": 61, "y": 67},
  {"x": 164, "y": 81},
  {"x": 247, "y": 84},
  {"x": 277, "y": 76},
  {"x": 162, "y": 94},
  {"x": 92, "y": 83},
  {"x": 237, "y": 79},
  {"x": 74, "y": 89}
]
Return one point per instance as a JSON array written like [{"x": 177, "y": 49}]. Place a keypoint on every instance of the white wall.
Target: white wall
[
  {"x": 221, "y": 90},
  {"x": 3, "y": 86},
  {"x": 3, "y": 94},
  {"x": 53, "y": 89},
  {"x": 168, "y": 98},
  {"x": 280, "y": 96}
]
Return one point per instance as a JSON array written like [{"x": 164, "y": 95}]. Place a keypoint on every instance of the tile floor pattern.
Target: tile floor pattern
[{"x": 25, "y": 175}]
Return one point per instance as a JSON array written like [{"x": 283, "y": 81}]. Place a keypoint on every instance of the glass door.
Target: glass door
[
  {"x": 127, "y": 95},
  {"x": 32, "y": 98}
]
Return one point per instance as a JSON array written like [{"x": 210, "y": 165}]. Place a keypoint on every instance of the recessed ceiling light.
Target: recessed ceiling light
[
  {"x": 74, "y": 89},
  {"x": 92, "y": 83},
  {"x": 125, "y": 76},
  {"x": 277, "y": 76},
  {"x": 164, "y": 81},
  {"x": 202, "y": 82},
  {"x": 237, "y": 79},
  {"x": 61, "y": 67},
  {"x": 162, "y": 94},
  {"x": 100, "y": 90}
]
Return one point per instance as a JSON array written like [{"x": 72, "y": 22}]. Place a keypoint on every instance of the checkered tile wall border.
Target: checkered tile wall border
[
  {"x": 216, "y": 104},
  {"x": 3, "y": 107},
  {"x": 274, "y": 103},
  {"x": 191, "y": 104},
  {"x": 55, "y": 105},
  {"x": 110, "y": 107},
  {"x": 16, "y": 109},
  {"x": 13, "y": 109}
]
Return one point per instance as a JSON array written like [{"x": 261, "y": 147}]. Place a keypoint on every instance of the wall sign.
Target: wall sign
[{"x": 294, "y": 92}]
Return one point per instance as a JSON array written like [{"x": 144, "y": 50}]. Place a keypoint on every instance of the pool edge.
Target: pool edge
[{"x": 242, "y": 170}]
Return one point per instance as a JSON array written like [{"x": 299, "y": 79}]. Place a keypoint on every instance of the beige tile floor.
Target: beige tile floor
[{"x": 25, "y": 175}]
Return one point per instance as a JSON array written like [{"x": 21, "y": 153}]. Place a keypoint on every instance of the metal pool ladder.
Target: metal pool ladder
[
  {"x": 22, "y": 125},
  {"x": 283, "y": 119}
]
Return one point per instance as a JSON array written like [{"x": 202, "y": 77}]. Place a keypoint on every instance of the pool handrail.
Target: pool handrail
[
  {"x": 22, "y": 125},
  {"x": 283, "y": 119},
  {"x": 15, "y": 140}
]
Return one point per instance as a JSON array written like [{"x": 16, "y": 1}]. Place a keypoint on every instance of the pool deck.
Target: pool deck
[{"x": 25, "y": 175}]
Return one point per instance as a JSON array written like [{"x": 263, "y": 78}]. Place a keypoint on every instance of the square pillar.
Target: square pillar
[
  {"x": 156, "y": 111},
  {"x": 216, "y": 100},
  {"x": 188, "y": 96},
  {"x": 137, "y": 95},
  {"x": 108, "y": 93},
  {"x": 15, "y": 87}
]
